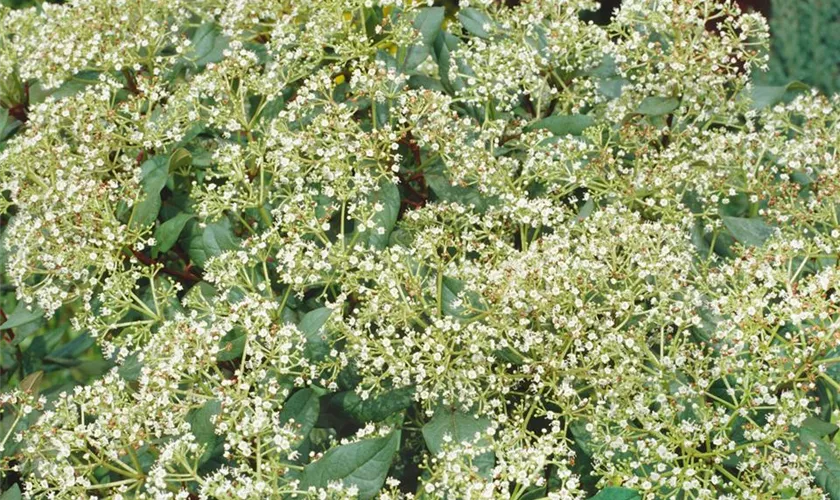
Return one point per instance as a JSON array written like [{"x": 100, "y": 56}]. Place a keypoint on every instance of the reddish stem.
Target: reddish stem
[{"x": 146, "y": 260}]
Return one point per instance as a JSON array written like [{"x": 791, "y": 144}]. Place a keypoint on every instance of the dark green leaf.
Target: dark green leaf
[
  {"x": 130, "y": 368},
  {"x": 454, "y": 292},
  {"x": 586, "y": 210},
  {"x": 179, "y": 159},
  {"x": 819, "y": 427},
  {"x": 827, "y": 475},
  {"x": 231, "y": 346},
  {"x": 74, "y": 348},
  {"x": 444, "y": 190},
  {"x": 312, "y": 326},
  {"x": 563, "y": 125},
  {"x": 611, "y": 87},
  {"x": 4, "y": 121},
  {"x": 200, "y": 421},
  {"x": 475, "y": 22},
  {"x": 767, "y": 96},
  {"x": 203, "y": 429},
  {"x": 460, "y": 427},
  {"x": 70, "y": 87},
  {"x": 415, "y": 56},
  {"x": 444, "y": 44},
  {"x": 583, "y": 438},
  {"x": 93, "y": 368},
  {"x": 208, "y": 45},
  {"x": 154, "y": 173},
  {"x": 13, "y": 493},
  {"x": 383, "y": 221},
  {"x": 302, "y": 409},
  {"x": 10, "y": 425},
  {"x": 167, "y": 233},
  {"x": 428, "y": 22},
  {"x": 748, "y": 231},
  {"x": 425, "y": 82},
  {"x": 211, "y": 241},
  {"x": 656, "y": 106},
  {"x": 363, "y": 464},
  {"x": 616, "y": 493},
  {"x": 374, "y": 409},
  {"x": 21, "y": 316}
]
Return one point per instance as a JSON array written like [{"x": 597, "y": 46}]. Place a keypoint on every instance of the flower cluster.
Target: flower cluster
[{"x": 387, "y": 248}]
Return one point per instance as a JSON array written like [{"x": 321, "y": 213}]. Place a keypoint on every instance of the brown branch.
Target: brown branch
[
  {"x": 20, "y": 111},
  {"x": 146, "y": 260},
  {"x": 408, "y": 141},
  {"x": 10, "y": 335},
  {"x": 130, "y": 81}
]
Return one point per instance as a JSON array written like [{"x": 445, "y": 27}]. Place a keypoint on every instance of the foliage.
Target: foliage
[
  {"x": 387, "y": 248},
  {"x": 805, "y": 43}
]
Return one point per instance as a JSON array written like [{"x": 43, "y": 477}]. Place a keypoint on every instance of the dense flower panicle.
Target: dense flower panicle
[{"x": 360, "y": 248}]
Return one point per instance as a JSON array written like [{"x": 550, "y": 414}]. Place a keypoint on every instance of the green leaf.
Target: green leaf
[
  {"x": 444, "y": 44},
  {"x": 819, "y": 427},
  {"x": 656, "y": 106},
  {"x": 763, "y": 96},
  {"x": 167, "y": 233},
  {"x": 415, "y": 56},
  {"x": 21, "y": 316},
  {"x": 302, "y": 408},
  {"x": 179, "y": 159},
  {"x": 32, "y": 382},
  {"x": 208, "y": 45},
  {"x": 231, "y": 346},
  {"x": 616, "y": 493},
  {"x": 211, "y": 241},
  {"x": 377, "y": 408},
  {"x": 452, "y": 290},
  {"x": 583, "y": 438},
  {"x": 13, "y": 493},
  {"x": 383, "y": 221},
  {"x": 73, "y": 349},
  {"x": 748, "y": 231},
  {"x": 154, "y": 173},
  {"x": 428, "y": 23},
  {"x": 312, "y": 326},
  {"x": 425, "y": 82},
  {"x": 611, "y": 87},
  {"x": 563, "y": 125},
  {"x": 586, "y": 209},
  {"x": 438, "y": 181},
  {"x": 71, "y": 86},
  {"x": 827, "y": 475},
  {"x": 460, "y": 427},
  {"x": 363, "y": 464},
  {"x": 475, "y": 21},
  {"x": 200, "y": 421},
  {"x": 10, "y": 425},
  {"x": 131, "y": 368},
  {"x": 202, "y": 427},
  {"x": 4, "y": 120}
]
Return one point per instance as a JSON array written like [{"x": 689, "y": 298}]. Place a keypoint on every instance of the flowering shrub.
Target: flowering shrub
[{"x": 382, "y": 248}]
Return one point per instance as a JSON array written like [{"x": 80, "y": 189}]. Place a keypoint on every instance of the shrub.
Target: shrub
[
  {"x": 805, "y": 45},
  {"x": 363, "y": 248}
]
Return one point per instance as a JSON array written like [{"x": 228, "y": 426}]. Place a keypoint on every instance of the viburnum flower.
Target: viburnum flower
[{"x": 396, "y": 249}]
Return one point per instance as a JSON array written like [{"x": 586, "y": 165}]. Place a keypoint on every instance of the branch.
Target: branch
[{"x": 146, "y": 260}]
